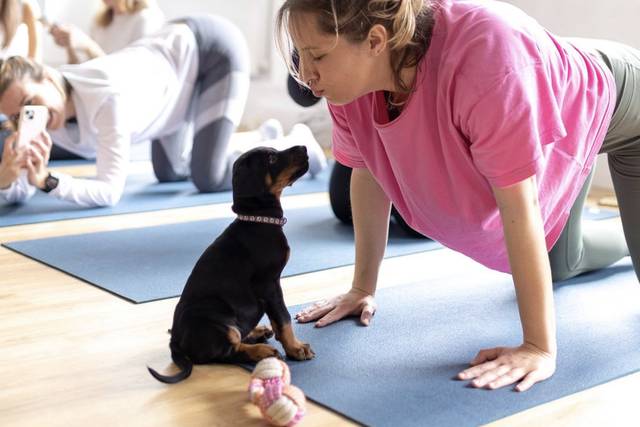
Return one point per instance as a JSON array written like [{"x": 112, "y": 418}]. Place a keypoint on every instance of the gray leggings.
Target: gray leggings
[
  {"x": 588, "y": 246},
  {"x": 220, "y": 96}
]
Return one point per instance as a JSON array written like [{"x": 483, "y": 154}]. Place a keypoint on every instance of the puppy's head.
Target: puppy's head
[{"x": 264, "y": 170}]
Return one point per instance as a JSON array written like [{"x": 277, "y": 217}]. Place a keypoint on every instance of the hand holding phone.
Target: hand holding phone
[{"x": 32, "y": 122}]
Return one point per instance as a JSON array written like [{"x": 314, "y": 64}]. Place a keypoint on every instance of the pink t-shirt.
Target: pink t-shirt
[{"x": 498, "y": 99}]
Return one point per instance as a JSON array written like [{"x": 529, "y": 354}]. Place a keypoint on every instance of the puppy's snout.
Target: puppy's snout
[{"x": 299, "y": 153}]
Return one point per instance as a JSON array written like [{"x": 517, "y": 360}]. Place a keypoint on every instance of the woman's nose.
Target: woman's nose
[{"x": 307, "y": 74}]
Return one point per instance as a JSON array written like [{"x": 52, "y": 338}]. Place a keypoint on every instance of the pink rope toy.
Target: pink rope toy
[{"x": 270, "y": 388}]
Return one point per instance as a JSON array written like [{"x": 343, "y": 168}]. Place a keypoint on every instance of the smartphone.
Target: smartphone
[{"x": 32, "y": 121}]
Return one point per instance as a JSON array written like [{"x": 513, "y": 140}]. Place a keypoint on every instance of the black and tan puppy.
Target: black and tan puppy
[{"x": 237, "y": 279}]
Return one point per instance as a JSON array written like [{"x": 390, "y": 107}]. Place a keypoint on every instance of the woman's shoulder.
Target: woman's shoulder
[{"x": 489, "y": 38}]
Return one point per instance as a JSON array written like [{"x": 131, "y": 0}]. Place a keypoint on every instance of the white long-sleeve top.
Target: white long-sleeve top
[{"x": 141, "y": 92}]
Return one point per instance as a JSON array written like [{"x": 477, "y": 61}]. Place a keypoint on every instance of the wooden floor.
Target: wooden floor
[{"x": 74, "y": 355}]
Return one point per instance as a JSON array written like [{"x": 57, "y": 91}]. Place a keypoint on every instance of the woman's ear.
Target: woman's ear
[{"x": 377, "y": 39}]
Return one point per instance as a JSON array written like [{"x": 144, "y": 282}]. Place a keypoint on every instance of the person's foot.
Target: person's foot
[
  {"x": 271, "y": 129},
  {"x": 303, "y": 136}
]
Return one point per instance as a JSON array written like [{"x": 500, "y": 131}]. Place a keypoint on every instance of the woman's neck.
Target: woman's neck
[{"x": 398, "y": 95}]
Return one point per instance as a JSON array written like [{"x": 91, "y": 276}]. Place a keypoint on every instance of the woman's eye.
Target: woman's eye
[{"x": 317, "y": 58}]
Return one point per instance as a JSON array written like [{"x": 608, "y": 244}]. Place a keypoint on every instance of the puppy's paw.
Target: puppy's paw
[
  {"x": 262, "y": 351},
  {"x": 300, "y": 351},
  {"x": 262, "y": 332}
]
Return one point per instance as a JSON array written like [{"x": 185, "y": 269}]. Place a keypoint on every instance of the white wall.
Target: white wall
[{"x": 606, "y": 19}]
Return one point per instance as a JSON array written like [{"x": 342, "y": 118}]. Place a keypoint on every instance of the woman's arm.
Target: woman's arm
[
  {"x": 30, "y": 15},
  {"x": 529, "y": 261},
  {"x": 75, "y": 41},
  {"x": 534, "y": 360},
  {"x": 112, "y": 160},
  {"x": 370, "y": 209}
]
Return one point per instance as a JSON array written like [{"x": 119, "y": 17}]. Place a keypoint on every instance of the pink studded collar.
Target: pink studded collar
[{"x": 263, "y": 219}]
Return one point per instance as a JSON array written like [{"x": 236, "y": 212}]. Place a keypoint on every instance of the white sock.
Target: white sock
[
  {"x": 301, "y": 135},
  {"x": 271, "y": 129}
]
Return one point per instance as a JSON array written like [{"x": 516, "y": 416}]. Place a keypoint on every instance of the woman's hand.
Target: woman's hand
[
  {"x": 12, "y": 161},
  {"x": 353, "y": 303},
  {"x": 38, "y": 159},
  {"x": 497, "y": 367},
  {"x": 69, "y": 37}
]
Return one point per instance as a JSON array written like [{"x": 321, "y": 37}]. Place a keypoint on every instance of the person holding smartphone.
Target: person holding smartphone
[{"x": 193, "y": 73}]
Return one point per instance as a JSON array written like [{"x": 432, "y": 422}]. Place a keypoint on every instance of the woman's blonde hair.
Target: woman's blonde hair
[
  {"x": 409, "y": 24},
  {"x": 104, "y": 18},
  {"x": 18, "y": 68},
  {"x": 11, "y": 18}
]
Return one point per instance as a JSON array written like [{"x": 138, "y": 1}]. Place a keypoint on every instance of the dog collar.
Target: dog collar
[{"x": 263, "y": 219}]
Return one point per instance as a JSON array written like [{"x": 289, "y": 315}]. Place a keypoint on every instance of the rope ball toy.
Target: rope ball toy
[{"x": 280, "y": 403}]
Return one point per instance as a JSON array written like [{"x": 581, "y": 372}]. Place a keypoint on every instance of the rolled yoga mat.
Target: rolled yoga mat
[
  {"x": 152, "y": 263},
  {"x": 399, "y": 371}
]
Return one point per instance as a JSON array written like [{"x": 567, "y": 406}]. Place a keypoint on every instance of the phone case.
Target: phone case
[{"x": 32, "y": 121}]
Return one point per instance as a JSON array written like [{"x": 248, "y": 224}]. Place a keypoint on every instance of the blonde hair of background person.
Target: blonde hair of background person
[
  {"x": 20, "y": 27},
  {"x": 482, "y": 128},
  {"x": 116, "y": 25}
]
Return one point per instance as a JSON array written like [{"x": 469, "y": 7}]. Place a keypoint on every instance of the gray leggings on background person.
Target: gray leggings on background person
[
  {"x": 220, "y": 96},
  {"x": 588, "y": 246}
]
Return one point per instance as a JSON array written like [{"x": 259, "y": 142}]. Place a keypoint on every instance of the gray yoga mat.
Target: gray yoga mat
[
  {"x": 142, "y": 193},
  {"x": 151, "y": 263},
  {"x": 399, "y": 371}
]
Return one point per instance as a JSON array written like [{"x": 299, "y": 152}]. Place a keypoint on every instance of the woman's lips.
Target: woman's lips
[{"x": 317, "y": 93}]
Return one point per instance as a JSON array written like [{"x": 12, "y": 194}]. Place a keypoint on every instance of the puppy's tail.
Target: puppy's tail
[{"x": 183, "y": 362}]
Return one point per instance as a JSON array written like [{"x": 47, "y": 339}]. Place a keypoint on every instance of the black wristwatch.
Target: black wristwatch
[{"x": 50, "y": 183}]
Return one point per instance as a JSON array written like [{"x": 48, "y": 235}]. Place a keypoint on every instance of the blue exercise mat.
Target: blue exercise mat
[
  {"x": 142, "y": 193},
  {"x": 399, "y": 371},
  {"x": 151, "y": 263},
  {"x": 597, "y": 214}
]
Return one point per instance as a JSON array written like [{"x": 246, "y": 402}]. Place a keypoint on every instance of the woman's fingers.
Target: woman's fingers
[
  {"x": 333, "y": 316},
  {"x": 484, "y": 355},
  {"x": 314, "y": 311}
]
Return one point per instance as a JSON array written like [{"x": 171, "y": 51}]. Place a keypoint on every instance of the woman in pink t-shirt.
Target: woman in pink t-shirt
[{"x": 482, "y": 129}]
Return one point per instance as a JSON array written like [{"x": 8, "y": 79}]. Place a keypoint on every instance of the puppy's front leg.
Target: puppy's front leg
[{"x": 281, "y": 324}]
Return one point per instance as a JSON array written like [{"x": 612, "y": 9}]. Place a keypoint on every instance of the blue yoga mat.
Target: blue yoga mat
[
  {"x": 142, "y": 193},
  {"x": 597, "y": 214},
  {"x": 152, "y": 263},
  {"x": 399, "y": 371}
]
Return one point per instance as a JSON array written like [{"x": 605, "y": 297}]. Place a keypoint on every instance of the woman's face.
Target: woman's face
[
  {"x": 28, "y": 92},
  {"x": 340, "y": 72}
]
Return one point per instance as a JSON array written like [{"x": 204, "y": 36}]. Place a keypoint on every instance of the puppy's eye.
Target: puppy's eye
[{"x": 272, "y": 159}]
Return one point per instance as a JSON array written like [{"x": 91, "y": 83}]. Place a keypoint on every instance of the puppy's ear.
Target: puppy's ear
[{"x": 248, "y": 177}]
